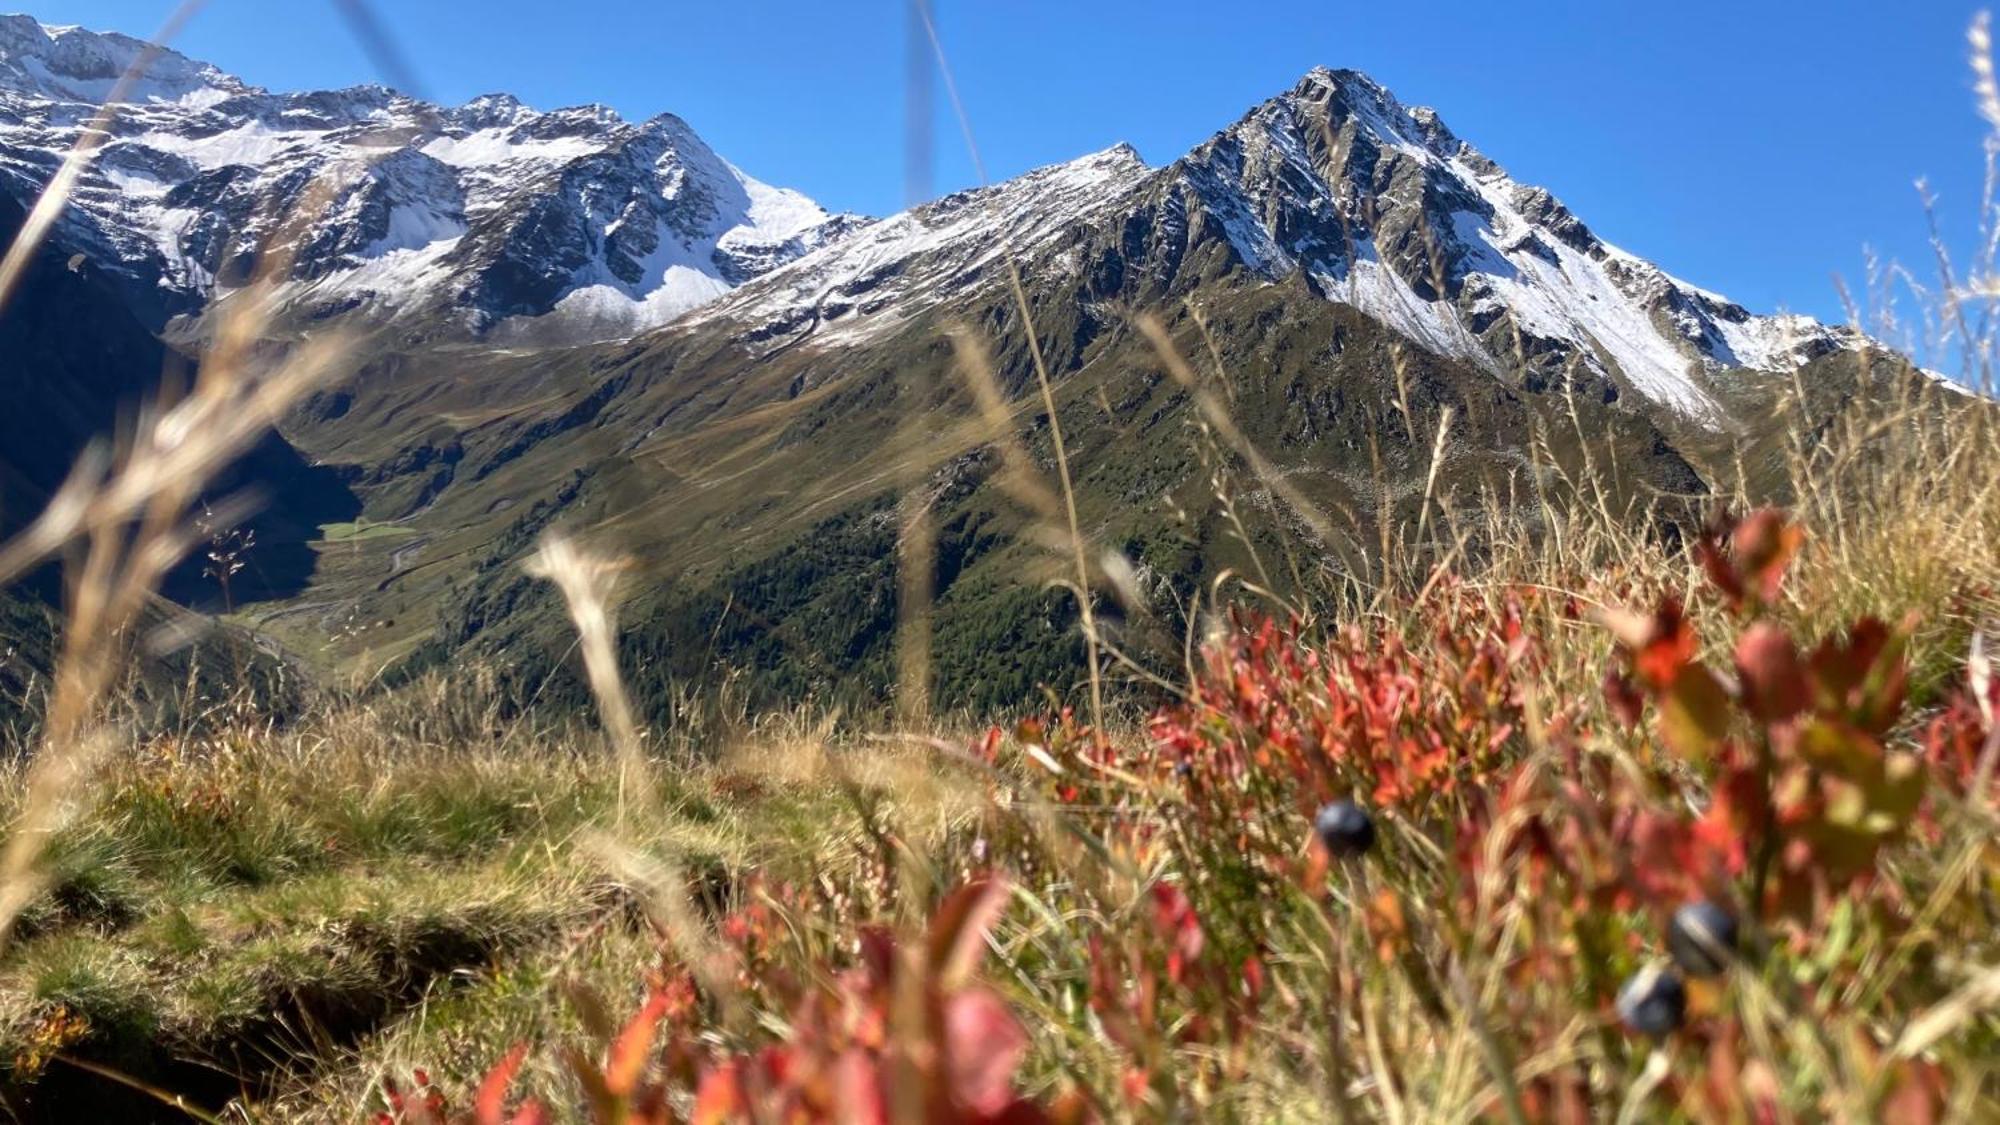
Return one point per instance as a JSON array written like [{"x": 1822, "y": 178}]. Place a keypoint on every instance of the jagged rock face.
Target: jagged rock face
[
  {"x": 1374, "y": 204},
  {"x": 571, "y": 224},
  {"x": 1382, "y": 207}
]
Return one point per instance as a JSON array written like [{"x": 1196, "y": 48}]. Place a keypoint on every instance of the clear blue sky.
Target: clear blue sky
[{"x": 1752, "y": 148}]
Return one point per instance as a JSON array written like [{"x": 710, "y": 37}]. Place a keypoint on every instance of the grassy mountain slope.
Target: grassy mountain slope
[
  {"x": 759, "y": 486},
  {"x": 759, "y": 491}
]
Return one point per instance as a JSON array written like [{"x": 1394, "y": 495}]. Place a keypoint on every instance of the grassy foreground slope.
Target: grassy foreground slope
[
  {"x": 1559, "y": 741},
  {"x": 246, "y": 914}
]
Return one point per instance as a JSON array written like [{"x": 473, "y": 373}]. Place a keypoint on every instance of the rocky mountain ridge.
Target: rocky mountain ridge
[
  {"x": 1376, "y": 205},
  {"x": 572, "y": 224}
]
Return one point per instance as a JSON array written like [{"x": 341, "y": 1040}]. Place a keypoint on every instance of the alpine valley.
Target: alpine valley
[{"x": 562, "y": 318}]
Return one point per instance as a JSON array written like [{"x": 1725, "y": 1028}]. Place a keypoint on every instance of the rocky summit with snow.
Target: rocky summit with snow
[
  {"x": 1380, "y": 206},
  {"x": 493, "y": 209},
  {"x": 1374, "y": 204}
]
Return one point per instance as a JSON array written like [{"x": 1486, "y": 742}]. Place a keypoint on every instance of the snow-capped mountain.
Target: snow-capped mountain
[
  {"x": 1376, "y": 205},
  {"x": 512, "y": 217},
  {"x": 574, "y": 224}
]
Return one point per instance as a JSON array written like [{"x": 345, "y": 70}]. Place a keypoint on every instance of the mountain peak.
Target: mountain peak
[
  {"x": 1326, "y": 77},
  {"x": 73, "y": 64},
  {"x": 1381, "y": 206},
  {"x": 1375, "y": 204},
  {"x": 1118, "y": 160},
  {"x": 1123, "y": 153},
  {"x": 492, "y": 110},
  {"x": 1323, "y": 83},
  {"x": 1328, "y": 99}
]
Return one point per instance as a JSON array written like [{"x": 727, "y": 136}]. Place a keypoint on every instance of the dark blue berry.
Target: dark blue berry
[
  {"x": 1653, "y": 1001},
  {"x": 1345, "y": 828},
  {"x": 1702, "y": 938}
]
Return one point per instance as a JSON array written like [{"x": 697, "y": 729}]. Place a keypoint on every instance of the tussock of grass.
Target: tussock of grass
[
  {"x": 220, "y": 901},
  {"x": 263, "y": 901}
]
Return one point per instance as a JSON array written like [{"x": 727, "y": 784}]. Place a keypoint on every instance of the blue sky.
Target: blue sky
[{"x": 1751, "y": 148}]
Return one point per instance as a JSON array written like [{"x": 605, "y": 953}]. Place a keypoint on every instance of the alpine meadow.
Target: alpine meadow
[{"x": 507, "y": 617}]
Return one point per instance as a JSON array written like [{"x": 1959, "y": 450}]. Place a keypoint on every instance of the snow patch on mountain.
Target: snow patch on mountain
[
  {"x": 1370, "y": 286},
  {"x": 864, "y": 285},
  {"x": 486, "y": 148}
]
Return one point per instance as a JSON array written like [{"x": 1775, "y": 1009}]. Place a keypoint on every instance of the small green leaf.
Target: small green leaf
[{"x": 1694, "y": 713}]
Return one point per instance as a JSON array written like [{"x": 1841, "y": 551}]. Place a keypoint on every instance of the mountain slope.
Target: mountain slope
[
  {"x": 1357, "y": 273},
  {"x": 73, "y": 358}
]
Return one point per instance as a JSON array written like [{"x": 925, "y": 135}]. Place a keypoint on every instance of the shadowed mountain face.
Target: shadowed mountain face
[
  {"x": 74, "y": 363},
  {"x": 767, "y": 387},
  {"x": 70, "y": 354}
]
